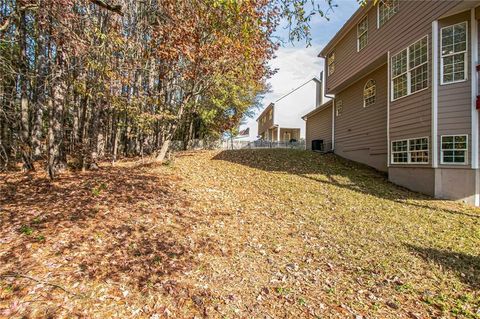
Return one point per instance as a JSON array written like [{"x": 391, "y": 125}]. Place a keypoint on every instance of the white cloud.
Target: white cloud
[{"x": 298, "y": 64}]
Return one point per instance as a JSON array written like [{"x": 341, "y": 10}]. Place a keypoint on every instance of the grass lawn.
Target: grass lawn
[{"x": 234, "y": 234}]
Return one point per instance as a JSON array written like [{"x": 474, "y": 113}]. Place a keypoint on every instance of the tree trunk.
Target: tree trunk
[
  {"x": 26, "y": 148},
  {"x": 56, "y": 160},
  {"x": 116, "y": 140},
  {"x": 93, "y": 133},
  {"x": 163, "y": 150},
  {"x": 171, "y": 132},
  {"x": 39, "y": 93}
]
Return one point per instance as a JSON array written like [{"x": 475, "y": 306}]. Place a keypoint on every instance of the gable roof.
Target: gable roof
[
  {"x": 271, "y": 105},
  {"x": 318, "y": 109},
  {"x": 284, "y": 96}
]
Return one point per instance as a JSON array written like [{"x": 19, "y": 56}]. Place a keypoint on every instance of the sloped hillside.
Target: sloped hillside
[{"x": 234, "y": 234}]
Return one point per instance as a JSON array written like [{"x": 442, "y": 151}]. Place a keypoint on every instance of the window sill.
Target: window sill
[
  {"x": 454, "y": 82},
  {"x": 394, "y": 100},
  {"x": 410, "y": 164}
]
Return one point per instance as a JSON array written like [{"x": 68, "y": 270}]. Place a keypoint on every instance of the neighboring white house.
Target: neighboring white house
[{"x": 282, "y": 119}]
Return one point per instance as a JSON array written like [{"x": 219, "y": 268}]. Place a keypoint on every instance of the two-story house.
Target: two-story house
[
  {"x": 404, "y": 79},
  {"x": 281, "y": 121}
]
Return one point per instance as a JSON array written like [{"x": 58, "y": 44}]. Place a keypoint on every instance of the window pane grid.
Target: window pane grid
[
  {"x": 454, "y": 52},
  {"x": 419, "y": 78},
  {"x": 386, "y": 10},
  {"x": 399, "y": 63},
  {"x": 362, "y": 33},
  {"x": 409, "y": 69},
  {"x": 410, "y": 151},
  {"x": 400, "y": 86},
  {"x": 339, "y": 107},
  {"x": 454, "y": 149},
  {"x": 369, "y": 93},
  {"x": 331, "y": 63},
  {"x": 418, "y": 150}
]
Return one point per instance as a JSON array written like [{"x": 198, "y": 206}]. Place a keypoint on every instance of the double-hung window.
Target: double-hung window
[
  {"x": 386, "y": 10},
  {"x": 418, "y": 65},
  {"x": 454, "y": 149},
  {"x": 411, "y": 151},
  {"x": 362, "y": 34},
  {"x": 369, "y": 91},
  {"x": 400, "y": 151},
  {"x": 454, "y": 53},
  {"x": 331, "y": 63},
  {"x": 399, "y": 74},
  {"x": 409, "y": 69}
]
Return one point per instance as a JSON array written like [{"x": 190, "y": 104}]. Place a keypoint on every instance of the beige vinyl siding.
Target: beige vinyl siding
[
  {"x": 411, "y": 115},
  {"x": 413, "y": 21},
  {"x": 361, "y": 133},
  {"x": 454, "y": 100},
  {"x": 319, "y": 127}
]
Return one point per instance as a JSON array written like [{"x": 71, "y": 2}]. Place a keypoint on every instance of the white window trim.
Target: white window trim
[
  {"x": 441, "y": 149},
  {"x": 374, "y": 95},
  {"x": 336, "y": 107},
  {"x": 465, "y": 54},
  {"x": 409, "y": 73},
  {"x": 378, "y": 15},
  {"x": 328, "y": 63},
  {"x": 409, "y": 162},
  {"x": 364, "y": 32},
  {"x": 396, "y": 152}
]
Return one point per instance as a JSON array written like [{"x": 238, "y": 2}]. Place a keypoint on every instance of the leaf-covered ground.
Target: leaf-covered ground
[{"x": 234, "y": 234}]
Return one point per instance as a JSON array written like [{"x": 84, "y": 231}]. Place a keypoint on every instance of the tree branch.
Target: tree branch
[
  {"x": 114, "y": 8},
  {"x": 5, "y": 25},
  {"x": 16, "y": 275}
]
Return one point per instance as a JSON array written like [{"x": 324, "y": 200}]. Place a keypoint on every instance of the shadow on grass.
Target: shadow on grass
[
  {"x": 466, "y": 267},
  {"x": 333, "y": 170},
  {"x": 117, "y": 223}
]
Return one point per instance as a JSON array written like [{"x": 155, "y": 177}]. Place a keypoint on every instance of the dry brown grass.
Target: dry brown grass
[{"x": 236, "y": 234}]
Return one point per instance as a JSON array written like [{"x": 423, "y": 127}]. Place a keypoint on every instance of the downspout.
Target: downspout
[
  {"x": 333, "y": 125},
  {"x": 332, "y": 97}
]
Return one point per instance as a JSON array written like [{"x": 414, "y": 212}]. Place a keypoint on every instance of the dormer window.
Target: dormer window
[
  {"x": 331, "y": 63},
  {"x": 362, "y": 34},
  {"x": 386, "y": 10}
]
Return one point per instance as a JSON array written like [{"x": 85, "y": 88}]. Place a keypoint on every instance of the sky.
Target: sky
[{"x": 297, "y": 63}]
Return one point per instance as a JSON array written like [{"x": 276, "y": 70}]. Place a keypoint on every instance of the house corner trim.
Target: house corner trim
[
  {"x": 474, "y": 114},
  {"x": 435, "y": 94}
]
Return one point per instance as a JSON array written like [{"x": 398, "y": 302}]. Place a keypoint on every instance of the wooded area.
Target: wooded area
[{"x": 86, "y": 80}]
